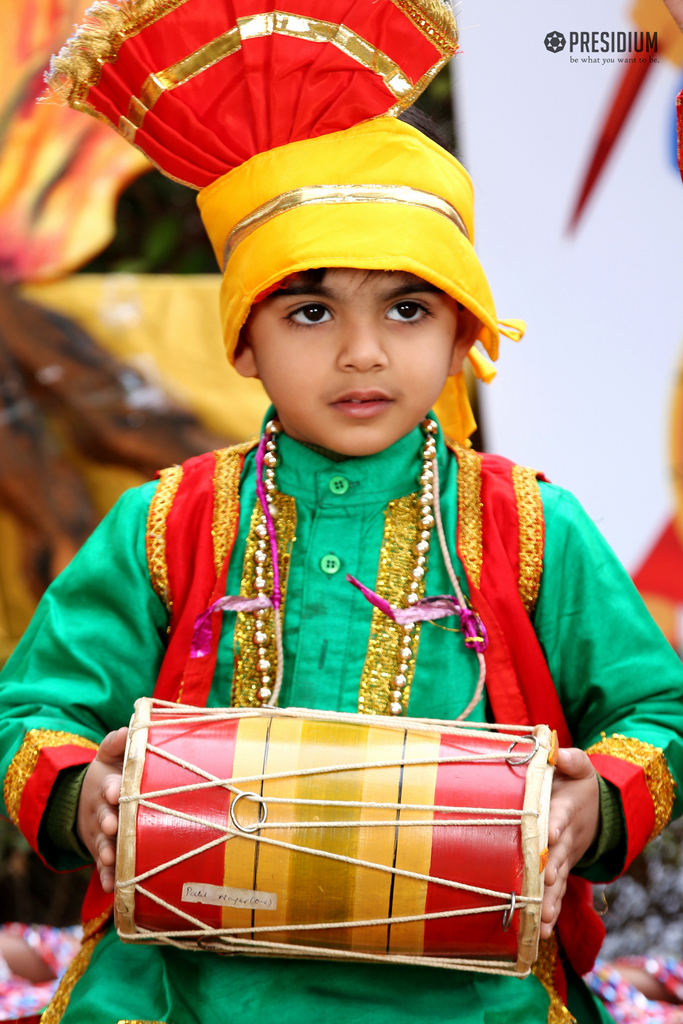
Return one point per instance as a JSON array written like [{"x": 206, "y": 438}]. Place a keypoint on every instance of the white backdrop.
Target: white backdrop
[{"x": 585, "y": 396}]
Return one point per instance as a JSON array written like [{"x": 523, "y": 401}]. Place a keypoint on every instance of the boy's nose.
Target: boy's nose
[{"x": 362, "y": 347}]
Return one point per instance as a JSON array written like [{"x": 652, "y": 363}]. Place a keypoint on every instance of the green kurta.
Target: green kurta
[{"x": 98, "y": 638}]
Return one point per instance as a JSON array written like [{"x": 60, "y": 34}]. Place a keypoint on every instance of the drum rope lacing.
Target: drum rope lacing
[{"x": 229, "y": 936}]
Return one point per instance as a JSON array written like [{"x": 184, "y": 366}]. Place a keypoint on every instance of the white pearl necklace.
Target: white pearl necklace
[
  {"x": 421, "y": 549},
  {"x": 267, "y": 693}
]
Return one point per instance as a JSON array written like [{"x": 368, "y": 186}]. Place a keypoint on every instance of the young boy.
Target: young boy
[{"x": 352, "y": 290}]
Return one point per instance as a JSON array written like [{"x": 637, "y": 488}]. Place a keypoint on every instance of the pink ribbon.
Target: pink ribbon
[
  {"x": 430, "y": 609},
  {"x": 201, "y": 638}
]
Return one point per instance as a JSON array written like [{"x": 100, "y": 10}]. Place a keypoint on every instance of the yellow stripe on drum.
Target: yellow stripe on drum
[
  {"x": 274, "y": 862},
  {"x": 319, "y": 889},
  {"x": 414, "y": 845},
  {"x": 373, "y": 893},
  {"x": 241, "y": 854}
]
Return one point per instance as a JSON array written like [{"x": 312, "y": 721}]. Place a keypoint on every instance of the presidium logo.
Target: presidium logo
[
  {"x": 604, "y": 42},
  {"x": 555, "y": 42}
]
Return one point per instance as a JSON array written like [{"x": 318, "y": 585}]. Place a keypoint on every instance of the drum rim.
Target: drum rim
[{"x": 534, "y": 834}]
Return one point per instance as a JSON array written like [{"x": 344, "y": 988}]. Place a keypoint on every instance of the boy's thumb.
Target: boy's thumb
[
  {"x": 574, "y": 762},
  {"x": 113, "y": 746}
]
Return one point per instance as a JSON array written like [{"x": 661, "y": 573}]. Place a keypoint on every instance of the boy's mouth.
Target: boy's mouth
[{"x": 362, "y": 404}]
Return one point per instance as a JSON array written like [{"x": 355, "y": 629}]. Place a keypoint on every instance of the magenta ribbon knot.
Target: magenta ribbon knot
[
  {"x": 430, "y": 609},
  {"x": 202, "y": 635}
]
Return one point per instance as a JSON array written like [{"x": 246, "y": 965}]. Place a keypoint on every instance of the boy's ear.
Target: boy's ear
[
  {"x": 245, "y": 363},
  {"x": 466, "y": 334}
]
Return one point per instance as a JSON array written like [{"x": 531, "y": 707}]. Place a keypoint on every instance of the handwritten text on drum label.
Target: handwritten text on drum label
[{"x": 225, "y": 896}]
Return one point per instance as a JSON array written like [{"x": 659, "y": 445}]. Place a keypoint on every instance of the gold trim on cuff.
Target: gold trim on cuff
[
  {"x": 470, "y": 541},
  {"x": 315, "y": 195},
  {"x": 24, "y": 763},
  {"x": 155, "y": 540},
  {"x": 226, "y": 498},
  {"x": 658, "y": 777},
  {"x": 530, "y": 515}
]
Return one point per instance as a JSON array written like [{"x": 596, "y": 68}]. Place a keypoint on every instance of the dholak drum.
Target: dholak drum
[{"x": 285, "y": 832}]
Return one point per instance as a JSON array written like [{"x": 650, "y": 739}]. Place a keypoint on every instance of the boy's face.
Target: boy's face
[{"x": 355, "y": 363}]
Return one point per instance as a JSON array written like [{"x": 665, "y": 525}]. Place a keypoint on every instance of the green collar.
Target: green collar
[{"x": 307, "y": 473}]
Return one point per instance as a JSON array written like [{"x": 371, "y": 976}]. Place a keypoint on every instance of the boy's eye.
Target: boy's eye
[
  {"x": 311, "y": 313},
  {"x": 406, "y": 310}
]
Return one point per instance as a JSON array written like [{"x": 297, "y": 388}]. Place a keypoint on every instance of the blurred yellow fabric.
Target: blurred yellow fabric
[
  {"x": 168, "y": 327},
  {"x": 17, "y": 603}
]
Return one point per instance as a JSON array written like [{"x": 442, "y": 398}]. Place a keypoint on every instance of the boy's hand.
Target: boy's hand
[
  {"x": 573, "y": 827},
  {"x": 98, "y": 807}
]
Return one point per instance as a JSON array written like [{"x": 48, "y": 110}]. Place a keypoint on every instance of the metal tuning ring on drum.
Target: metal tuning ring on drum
[
  {"x": 529, "y": 738},
  {"x": 263, "y": 812},
  {"x": 509, "y": 912}
]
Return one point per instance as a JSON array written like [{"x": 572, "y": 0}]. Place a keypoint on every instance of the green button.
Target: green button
[
  {"x": 330, "y": 564},
  {"x": 339, "y": 485}
]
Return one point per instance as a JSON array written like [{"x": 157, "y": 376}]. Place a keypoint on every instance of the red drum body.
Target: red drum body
[{"x": 293, "y": 833}]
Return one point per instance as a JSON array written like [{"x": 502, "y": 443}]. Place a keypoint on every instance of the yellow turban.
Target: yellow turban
[{"x": 378, "y": 196}]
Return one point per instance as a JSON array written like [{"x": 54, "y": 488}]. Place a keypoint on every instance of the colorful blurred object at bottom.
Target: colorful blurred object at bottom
[
  {"x": 626, "y": 1004},
  {"x": 19, "y": 998}
]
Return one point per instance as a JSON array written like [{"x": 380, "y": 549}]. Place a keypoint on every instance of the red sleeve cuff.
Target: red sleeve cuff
[
  {"x": 33, "y": 772},
  {"x": 641, "y": 774}
]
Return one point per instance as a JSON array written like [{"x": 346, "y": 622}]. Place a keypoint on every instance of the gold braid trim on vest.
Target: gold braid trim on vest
[
  {"x": 396, "y": 560},
  {"x": 530, "y": 513},
  {"x": 155, "y": 539},
  {"x": 96, "y": 924},
  {"x": 471, "y": 545},
  {"x": 226, "y": 498},
  {"x": 544, "y": 970},
  {"x": 246, "y": 678},
  {"x": 74, "y": 972},
  {"x": 24, "y": 763},
  {"x": 658, "y": 777}
]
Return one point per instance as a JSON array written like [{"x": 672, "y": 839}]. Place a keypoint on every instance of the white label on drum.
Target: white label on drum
[{"x": 226, "y": 896}]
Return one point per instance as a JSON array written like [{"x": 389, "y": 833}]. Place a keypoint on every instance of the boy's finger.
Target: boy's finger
[
  {"x": 111, "y": 789},
  {"x": 561, "y": 813},
  {"x": 107, "y": 879},
  {"x": 108, "y": 855},
  {"x": 110, "y": 824},
  {"x": 101, "y": 843},
  {"x": 552, "y": 897}
]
